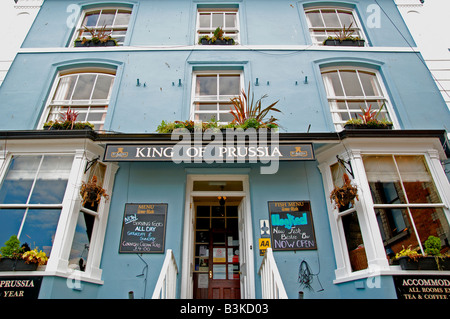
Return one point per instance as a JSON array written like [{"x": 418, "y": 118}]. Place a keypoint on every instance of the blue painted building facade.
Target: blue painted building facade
[{"x": 159, "y": 72}]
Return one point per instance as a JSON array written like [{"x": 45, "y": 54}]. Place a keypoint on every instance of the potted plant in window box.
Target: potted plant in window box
[
  {"x": 99, "y": 38},
  {"x": 410, "y": 259},
  {"x": 91, "y": 193},
  {"x": 369, "y": 120},
  {"x": 217, "y": 39},
  {"x": 344, "y": 38},
  {"x": 344, "y": 195},
  {"x": 68, "y": 121},
  {"x": 20, "y": 258}
]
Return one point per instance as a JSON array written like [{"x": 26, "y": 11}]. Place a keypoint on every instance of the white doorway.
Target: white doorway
[{"x": 234, "y": 187}]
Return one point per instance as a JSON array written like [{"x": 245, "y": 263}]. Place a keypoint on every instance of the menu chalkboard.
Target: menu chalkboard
[
  {"x": 291, "y": 225},
  {"x": 144, "y": 228}
]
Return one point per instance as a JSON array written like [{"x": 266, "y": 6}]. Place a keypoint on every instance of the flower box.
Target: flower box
[
  {"x": 368, "y": 127},
  {"x": 424, "y": 263},
  {"x": 344, "y": 43},
  {"x": 8, "y": 264},
  {"x": 90, "y": 43}
]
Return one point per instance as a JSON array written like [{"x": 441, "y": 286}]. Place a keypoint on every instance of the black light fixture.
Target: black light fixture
[{"x": 222, "y": 200}]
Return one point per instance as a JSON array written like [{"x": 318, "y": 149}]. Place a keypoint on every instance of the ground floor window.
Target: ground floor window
[
  {"x": 406, "y": 202},
  {"x": 401, "y": 202},
  {"x": 41, "y": 203},
  {"x": 31, "y": 196}
]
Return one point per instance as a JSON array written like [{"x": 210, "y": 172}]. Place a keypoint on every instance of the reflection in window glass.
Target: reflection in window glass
[
  {"x": 405, "y": 180},
  {"x": 34, "y": 180},
  {"x": 81, "y": 241},
  {"x": 354, "y": 240}
]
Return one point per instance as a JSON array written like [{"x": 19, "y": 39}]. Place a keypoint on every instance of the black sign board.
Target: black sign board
[
  {"x": 291, "y": 225},
  {"x": 13, "y": 288},
  {"x": 422, "y": 287},
  {"x": 144, "y": 228},
  {"x": 207, "y": 153}
]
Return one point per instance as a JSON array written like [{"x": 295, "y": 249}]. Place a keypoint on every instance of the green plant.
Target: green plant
[
  {"x": 12, "y": 248},
  {"x": 205, "y": 37},
  {"x": 97, "y": 36},
  {"x": 35, "y": 257},
  {"x": 345, "y": 194},
  {"x": 433, "y": 246},
  {"x": 244, "y": 108},
  {"x": 91, "y": 193},
  {"x": 408, "y": 252}
]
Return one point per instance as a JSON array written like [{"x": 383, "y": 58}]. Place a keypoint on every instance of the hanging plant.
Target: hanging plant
[
  {"x": 91, "y": 193},
  {"x": 344, "y": 195}
]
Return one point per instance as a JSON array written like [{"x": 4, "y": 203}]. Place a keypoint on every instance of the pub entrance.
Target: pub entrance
[
  {"x": 216, "y": 248},
  {"x": 218, "y": 259}
]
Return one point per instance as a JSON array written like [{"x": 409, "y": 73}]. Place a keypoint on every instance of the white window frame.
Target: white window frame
[
  {"x": 98, "y": 106},
  {"x": 83, "y": 151},
  {"x": 353, "y": 152},
  {"x": 332, "y": 99},
  {"x": 331, "y": 31},
  {"x": 80, "y": 27},
  {"x": 226, "y": 99},
  {"x": 227, "y": 32}
]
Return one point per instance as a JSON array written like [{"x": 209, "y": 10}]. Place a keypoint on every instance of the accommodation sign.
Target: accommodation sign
[
  {"x": 144, "y": 228},
  {"x": 422, "y": 287},
  {"x": 291, "y": 225},
  {"x": 208, "y": 153}
]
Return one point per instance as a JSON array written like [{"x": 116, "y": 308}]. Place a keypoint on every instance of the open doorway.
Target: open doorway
[
  {"x": 216, "y": 248},
  {"x": 217, "y": 240}
]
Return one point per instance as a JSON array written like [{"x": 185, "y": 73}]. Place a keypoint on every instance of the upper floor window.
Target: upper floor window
[
  {"x": 209, "y": 20},
  {"x": 352, "y": 90},
  {"x": 324, "y": 22},
  {"x": 86, "y": 93},
  {"x": 113, "y": 20},
  {"x": 212, "y": 92}
]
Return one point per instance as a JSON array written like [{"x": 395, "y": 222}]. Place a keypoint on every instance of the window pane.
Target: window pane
[
  {"x": 81, "y": 241},
  {"x": 315, "y": 19},
  {"x": 206, "y": 85},
  {"x": 10, "y": 221},
  {"x": 52, "y": 180},
  {"x": 122, "y": 18},
  {"x": 39, "y": 228},
  {"x": 217, "y": 20},
  {"x": 331, "y": 19},
  {"x": 355, "y": 244},
  {"x": 18, "y": 182},
  {"x": 204, "y": 19},
  {"x": 347, "y": 19},
  {"x": 417, "y": 180},
  {"x": 90, "y": 20},
  {"x": 65, "y": 88},
  {"x": 351, "y": 83},
  {"x": 106, "y": 18},
  {"x": 229, "y": 85},
  {"x": 230, "y": 20},
  {"x": 334, "y": 87},
  {"x": 383, "y": 180},
  {"x": 432, "y": 222},
  {"x": 370, "y": 84},
  {"x": 102, "y": 87},
  {"x": 84, "y": 87}
]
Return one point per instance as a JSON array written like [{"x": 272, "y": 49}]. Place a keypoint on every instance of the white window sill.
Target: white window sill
[
  {"x": 392, "y": 271},
  {"x": 73, "y": 277}
]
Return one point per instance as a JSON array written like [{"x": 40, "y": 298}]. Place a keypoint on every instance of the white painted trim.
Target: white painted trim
[
  {"x": 353, "y": 149},
  {"x": 219, "y": 48},
  {"x": 188, "y": 229}
]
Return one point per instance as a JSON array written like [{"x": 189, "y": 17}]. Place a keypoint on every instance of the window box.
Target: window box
[
  {"x": 424, "y": 263},
  {"x": 8, "y": 264},
  {"x": 206, "y": 41},
  {"x": 344, "y": 43},
  {"x": 368, "y": 126},
  {"x": 91, "y": 43}
]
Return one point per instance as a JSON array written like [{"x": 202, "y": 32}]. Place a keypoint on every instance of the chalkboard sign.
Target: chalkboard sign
[
  {"x": 144, "y": 228},
  {"x": 291, "y": 225}
]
